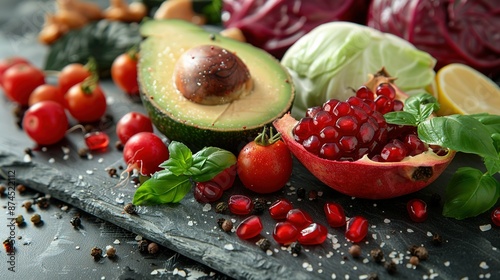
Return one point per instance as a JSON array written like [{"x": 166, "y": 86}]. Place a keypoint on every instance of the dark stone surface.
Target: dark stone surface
[{"x": 191, "y": 229}]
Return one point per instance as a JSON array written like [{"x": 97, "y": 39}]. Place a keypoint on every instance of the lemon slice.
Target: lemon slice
[{"x": 463, "y": 90}]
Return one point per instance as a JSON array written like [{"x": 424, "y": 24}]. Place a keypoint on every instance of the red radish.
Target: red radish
[
  {"x": 145, "y": 151},
  {"x": 285, "y": 233},
  {"x": 249, "y": 228},
  {"x": 131, "y": 124}
]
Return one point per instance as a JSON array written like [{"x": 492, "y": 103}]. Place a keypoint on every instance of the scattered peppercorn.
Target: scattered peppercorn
[
  {"x": 35, "y": 219},
  {"x": 3, "y": 188},
  {"x": 20, "y": 220},
  {"x": 76, "y": 222},
  {"x": 8, "y": 244},
  {"x": 301, "y": 193},
  {"x": 43, "y": 202},
  {"x": 437, "y": 239},
  {"x": 377, "y": 255},
  {"x": 21, "y": 188},
  {"x": 372, "y": 276},
  {"x": 420, "y": 252},
  {"x": 112, "y": 172},
  {"x": 264, "y": 244},
  {"x": 96, "y": 253},
  {"x": 227, "y": 225},
  {"x": 355, "y": 251},
  {"x": 414, "y": 260},
  {"x": 221, "y": 207},
  {"x": 110, "y": 252},
  {"x": 295, "y": 248},
  {"x": 119, "y": 145},
  {"x": 27, "y": 204},
  {"x": 259, "y": 206},
  {"x": 142, "y": 245},
  {"x": 153, "y": 248},
  {"x": 28, "y": 151},
  {"x": 88, "y": 128},
  {"x": 83, "y": 152},
  {"x": 390, "y": 267},
  {"x": 313, "y": 195},
  {"x": 129, "y": 208}
]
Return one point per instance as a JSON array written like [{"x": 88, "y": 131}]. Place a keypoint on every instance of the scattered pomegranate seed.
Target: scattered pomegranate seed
[
  {"x": 417, "y": 209},
  {"x": 249, "y": 227},
  {"x": 356, "y": 229},
  {"x": 285, "y": 233},
  {"x": 495, "y": 216},
  {"x": 280, "y": 208},
  {"x": 314, "y": 234},
  {"x": 240, "y": 204},
  {"x": 299, "y": 218},
  {"x": 334, "y": 214},
  {"x": 96, "y": 140},
  {"x": 207, "y": 191}
]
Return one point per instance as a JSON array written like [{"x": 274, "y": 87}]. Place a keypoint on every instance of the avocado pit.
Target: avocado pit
[{"x": 211, "y": 75}]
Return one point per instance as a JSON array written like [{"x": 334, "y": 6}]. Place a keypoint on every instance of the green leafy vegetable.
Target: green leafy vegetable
[
  {"x": 470, "y": 191},
  {"x": 103, "y": 40},
  {"x": 180, "y": 170}
]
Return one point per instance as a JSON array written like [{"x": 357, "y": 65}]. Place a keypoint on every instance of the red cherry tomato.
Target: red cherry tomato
[
  {"x": 264, "y": 166},
  {"x": 8, "y": 62},
  {"x": 86, "y": 102},
  {"x": 71, "y": 75},
  {"x": 46, "y": 92},
  {"x": 145, "y": 151},
  {"x": 124, "y": 73},
  {"x": 20, "y": 80},
  {"x": 45, "y": 122},
  {"x": 131, "y": 124}
]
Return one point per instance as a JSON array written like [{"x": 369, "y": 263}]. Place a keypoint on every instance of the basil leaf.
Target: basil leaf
[
  {"x": 470, "y": 193},
  {"x": 492, "y": 165},
  {"x": 180, "y": 158},
  {"x": 461, "y": 133},
  {"x": 103, "y": 40},
  {"x": 414, "y": 104},
  {"x": 400, "y": 118},
  {"x": 492, "y": 122},
  {"x": 209, "y": 162},
  {"x": 167, "y": 189}
]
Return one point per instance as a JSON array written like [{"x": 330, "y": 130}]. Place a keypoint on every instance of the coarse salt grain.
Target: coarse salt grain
[
  {"x": 447, "y": 263},
  {"x": 485, "y": 227},
  {"x": 229, "y": 247},
  {"x": 116, "y": 242},
  {"x": 484, "y": 265},
  {"x": 207, "y": 207},
  {"x": 410, "y": 230},
  {"x": 387, "y": 221},
  {"x": 52, "y": 160}
]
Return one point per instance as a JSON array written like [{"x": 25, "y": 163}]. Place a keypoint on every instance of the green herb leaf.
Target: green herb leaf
[
  {"x": 492, "y": 122},
  {"x": 400, "y": 118},
  {"x": 209, "y": 162},
  {"x": 180, "y": 158},
  {"x": 163, "y": 187},
  {"x": 461, "y": 133},
  {"x": 421, "y": 105},
  {"x": 470, "y": 193},
  {"x": 103, "y": 40}
]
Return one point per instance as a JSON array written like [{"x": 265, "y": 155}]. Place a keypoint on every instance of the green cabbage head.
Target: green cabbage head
[{"x": 337, "y": 57}]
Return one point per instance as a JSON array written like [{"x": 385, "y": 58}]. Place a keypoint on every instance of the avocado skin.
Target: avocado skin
[{"x": 187, "y": 131}]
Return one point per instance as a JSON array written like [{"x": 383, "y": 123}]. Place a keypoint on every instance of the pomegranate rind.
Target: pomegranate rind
[{"x": 365, "y": 178}]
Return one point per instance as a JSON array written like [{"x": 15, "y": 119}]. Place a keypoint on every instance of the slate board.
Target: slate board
[{"x": 191, "y": 230}]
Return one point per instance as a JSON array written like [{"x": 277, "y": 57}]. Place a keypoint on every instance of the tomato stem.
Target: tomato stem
[{"x": 265, "y": 140}]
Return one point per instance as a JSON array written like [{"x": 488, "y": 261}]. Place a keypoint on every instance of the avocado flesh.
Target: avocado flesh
[{"x": 182, "y": 120}]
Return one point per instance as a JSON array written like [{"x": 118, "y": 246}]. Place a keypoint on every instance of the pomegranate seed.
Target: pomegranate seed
[
  {"x": 393, "y": 151},
  {"x": 96, "y": 140},
  {"x": 280, "y": 208},
  {"x": 329, "y": 105},
  {"x": 312, "y": 144},
  {"x": 342, "y": 109},
  {"x": 299, "y": 218},
  {"x": 347, "y": 124},
  {"x": 311, "y": 112},
  {"x": 208, "y": 191},
  {"x": 303, "y": 128},
  {"x": 314, "y": 234},
  {"x": 386, "y": 90},
  {"x": 249, "y": 227},
  {"x": 356, "y": 229},
  {"x": 417, "y": 209},
  {"x": 495, "y": 216},
  {"x": 329, "y": 134},
  {"x": 285, "y": 233},
  {"x": 322, "y": 119},
  {"x": 329, "y": 151},
  {"x": 356, "y": 101},
  {"x": 240, "y": 204},
  {"x": 414, "y": 145},
  {"x": 384, "y": 104},
  {"x": 334, "y": 214},
  {"x": 398, "y": 105},
  {"x": 364, "y": 93},
  {"x": 366, "y": 133},
  {"x": 348, "y": 143},
  {"x": 360, "y": 114}
]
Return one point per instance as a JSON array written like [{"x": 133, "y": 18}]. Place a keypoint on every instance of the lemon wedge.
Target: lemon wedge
[{"x": 463, "y": 90}]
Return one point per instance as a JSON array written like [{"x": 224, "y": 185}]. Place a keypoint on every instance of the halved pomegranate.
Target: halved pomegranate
[{"x": 349, "y": 146}]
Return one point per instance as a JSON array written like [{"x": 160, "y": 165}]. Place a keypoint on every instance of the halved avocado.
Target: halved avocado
[{"x": 229, "y": 126}]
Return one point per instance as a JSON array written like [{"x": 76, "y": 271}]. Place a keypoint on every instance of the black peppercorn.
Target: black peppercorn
[
  {"x": 264, "y": 244},
  {"x": 301, "y": 193},
  {"x": 227, "y": 225},
  {"x": 142, "y": 245},
  {"x": 437, "y": 239},
  {"x": 377, "y": 255},
  {"x": 420, "y": 252},
  {"x": 112, "y": 172},
  {"x": 3, "y": 188},
  {"x": 42, "y": 202},
  {"x": 295, "y": 248},
  {"x": 83, "y": 152},
  {"x": 390, "y": 267},
  {"x": 28, "y": 151},
  {"x": 259, "y": 206},
  {"x": 96, "y": 253},
  {"x": 372, "y": 276},
  {"x": 221, "y": 207},
  {"x": 129, "y": 208},
  {"x": 119, "y": 145},
  {"x": 414, "y": 260},
  {"x": 313, "y": 195},
  {"x": 21, "y": 188},
  {"x": 110, "y": 252},
  {"x": 76, "y": 222}
]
